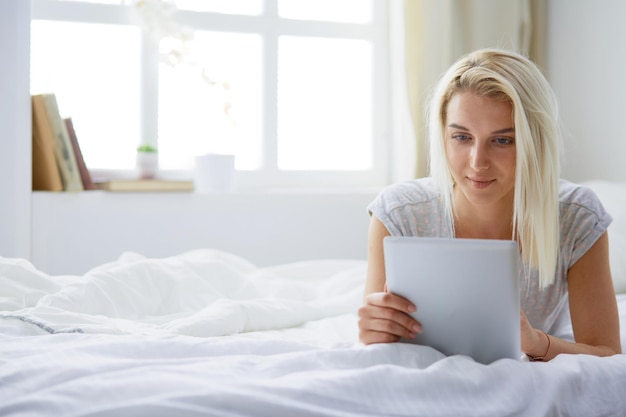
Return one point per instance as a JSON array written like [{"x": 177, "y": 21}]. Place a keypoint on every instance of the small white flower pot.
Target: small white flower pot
[{"x": 147, "y": 164}]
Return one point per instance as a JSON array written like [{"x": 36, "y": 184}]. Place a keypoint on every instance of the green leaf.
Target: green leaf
[{"x": 146, "y": 148}]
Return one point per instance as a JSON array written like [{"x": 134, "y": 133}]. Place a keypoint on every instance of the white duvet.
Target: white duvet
[
  {"x": 200, "y": 293},
  {"x": 208, "y": 334}
]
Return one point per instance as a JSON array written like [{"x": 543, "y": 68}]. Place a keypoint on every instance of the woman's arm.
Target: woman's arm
[
  {"x": 375, "y": 257},
  {"x": 383, "y": 317},
  {"x": 593, "y": 310}
]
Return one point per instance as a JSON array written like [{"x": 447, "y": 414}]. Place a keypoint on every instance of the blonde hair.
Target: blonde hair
[{"x": 509, "y": 76}]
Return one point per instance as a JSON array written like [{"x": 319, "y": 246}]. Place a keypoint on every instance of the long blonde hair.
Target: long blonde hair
[{"x": 511, "y": 77}]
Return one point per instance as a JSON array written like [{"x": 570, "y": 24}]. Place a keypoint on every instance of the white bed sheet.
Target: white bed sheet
[{"x": 206, "y": 333}]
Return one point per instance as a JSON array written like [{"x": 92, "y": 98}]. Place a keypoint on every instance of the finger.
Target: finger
[
  {"x": 370, "y": 337},
  {"x": 390, "y": 300},
  {"x": 524, "y": 323},
  {"x": 390, "y": 327},
  {"x": 370, "y": 313},
  {"x": 521, "y": 312}
]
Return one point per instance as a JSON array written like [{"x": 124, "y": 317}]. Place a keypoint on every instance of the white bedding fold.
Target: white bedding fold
[{"x": 200, "y": 293}]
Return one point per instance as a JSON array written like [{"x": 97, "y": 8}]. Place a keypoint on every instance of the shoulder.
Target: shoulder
[
  {"x": 581, "y": 200},
  {"x": 406, "y": 193},
  {"x": 583, "y": 220},
  {"x": 410, "y": 208}
]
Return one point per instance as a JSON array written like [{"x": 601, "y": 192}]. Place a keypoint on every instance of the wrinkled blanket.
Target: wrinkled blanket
[
  {"x": 206, "y": 333},
  {"x": 199, "y": 293}
]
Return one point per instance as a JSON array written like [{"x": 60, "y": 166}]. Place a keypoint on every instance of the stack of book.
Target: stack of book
[{"x": 58, "y": 163}]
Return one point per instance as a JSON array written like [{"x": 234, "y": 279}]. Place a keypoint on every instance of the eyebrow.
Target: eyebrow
[{"x": 506, "y": 130}]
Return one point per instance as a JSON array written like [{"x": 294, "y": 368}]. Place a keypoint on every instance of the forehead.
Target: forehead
[{"x": 469, "y": 109}]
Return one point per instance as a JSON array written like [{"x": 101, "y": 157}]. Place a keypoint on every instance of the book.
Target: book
[
  {"x": 146, "y": 185},
  {"x": 66, "y": 160},
  {"x": 45, "y": 170},
  {"x": 85, "y": 175}
]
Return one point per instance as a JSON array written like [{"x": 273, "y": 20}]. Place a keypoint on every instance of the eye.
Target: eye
[
  {"x": 460, "y": 137},
  {"x": 504, "y": 141}
]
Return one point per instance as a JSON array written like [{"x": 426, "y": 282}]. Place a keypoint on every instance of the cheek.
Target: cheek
[
  {"x": 510, "y": 162},
  {"x": 454, "y": 155},
  {"x": 449, "y": 151}
]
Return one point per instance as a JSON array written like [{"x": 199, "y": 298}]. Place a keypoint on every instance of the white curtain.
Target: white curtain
[{"x": 427, "y": 36}]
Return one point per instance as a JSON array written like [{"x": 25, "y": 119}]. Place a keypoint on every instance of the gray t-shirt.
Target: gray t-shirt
[{"x": 413, "y": 208}]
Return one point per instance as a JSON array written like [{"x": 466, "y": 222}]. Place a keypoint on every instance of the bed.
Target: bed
[{"x": 208, "y": 333}]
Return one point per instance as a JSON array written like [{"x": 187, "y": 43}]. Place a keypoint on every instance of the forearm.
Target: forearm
[{"x": 551, "y": 346}]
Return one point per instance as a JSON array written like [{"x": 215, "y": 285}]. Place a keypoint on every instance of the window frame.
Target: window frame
[{"x": 270, "y": 27}]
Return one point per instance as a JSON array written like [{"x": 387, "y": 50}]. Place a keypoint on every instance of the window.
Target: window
[{"x": 296, "y": 89}]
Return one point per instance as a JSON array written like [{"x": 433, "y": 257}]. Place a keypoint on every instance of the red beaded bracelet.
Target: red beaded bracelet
[{"x": 541, "y": 358}]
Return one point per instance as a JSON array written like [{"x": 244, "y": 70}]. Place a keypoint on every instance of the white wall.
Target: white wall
[
  {"x": 15, "y": 133},
  {"x": 587, "y": 68},
  {"x": 73, "y": 232}
]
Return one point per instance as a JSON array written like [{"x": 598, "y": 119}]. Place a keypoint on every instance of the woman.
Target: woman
[{"x": 494, "y": 155}]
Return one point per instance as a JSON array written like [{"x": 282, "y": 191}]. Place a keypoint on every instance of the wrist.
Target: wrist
[{"x": 547, "y": 342}]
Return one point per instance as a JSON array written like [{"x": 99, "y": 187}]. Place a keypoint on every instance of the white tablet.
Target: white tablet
[{"x": 466, "y": 292}]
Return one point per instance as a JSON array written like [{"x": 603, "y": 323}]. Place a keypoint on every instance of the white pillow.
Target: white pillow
[{"x": 612, "y": 194}]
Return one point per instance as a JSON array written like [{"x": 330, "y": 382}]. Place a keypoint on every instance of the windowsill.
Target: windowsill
[
  {"x": 237, "y": 192},
  {"x": 274, "y": 181},
  {"x": 276, "y": 190}
]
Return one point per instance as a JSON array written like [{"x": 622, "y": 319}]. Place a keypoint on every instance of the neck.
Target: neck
[{"x": 482, "y": 222}]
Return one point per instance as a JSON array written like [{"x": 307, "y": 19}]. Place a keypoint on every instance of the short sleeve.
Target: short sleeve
[
  {"x": 583, "y": 221},
  {"x": 411, "y": 208},
  {"x": 383, "y": 207}
]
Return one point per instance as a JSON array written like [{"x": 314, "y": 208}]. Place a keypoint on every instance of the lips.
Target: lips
[{"x": 480, "y": 182}]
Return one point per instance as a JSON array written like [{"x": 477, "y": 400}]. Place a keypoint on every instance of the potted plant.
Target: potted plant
[{"x": 147, "y": 161}]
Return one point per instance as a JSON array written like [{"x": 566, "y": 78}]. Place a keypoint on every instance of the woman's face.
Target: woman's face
[{"x": 480, "y": 147}]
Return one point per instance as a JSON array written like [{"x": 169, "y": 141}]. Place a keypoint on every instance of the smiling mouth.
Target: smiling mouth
[{"x": 480, "y": 183}]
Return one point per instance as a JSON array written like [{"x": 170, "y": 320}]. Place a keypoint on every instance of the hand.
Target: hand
[
  {"x": 534, "y": 342},
  {"x": 385, "y": 317}
]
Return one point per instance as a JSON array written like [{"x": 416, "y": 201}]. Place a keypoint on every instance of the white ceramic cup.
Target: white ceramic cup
[{"x": 214, "y": 173}]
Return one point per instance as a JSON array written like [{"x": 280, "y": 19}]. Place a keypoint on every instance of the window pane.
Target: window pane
[
  {"x": 94, "y": 71},
  {"x": 214, "y": 105},
  {"x": 245, "y": 7},
  {"x": 348, "y": 11},
  {"x": 324, "y": 104}
]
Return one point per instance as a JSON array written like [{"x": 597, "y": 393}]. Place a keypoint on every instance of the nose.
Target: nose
[{"x": 479, "y": 158}]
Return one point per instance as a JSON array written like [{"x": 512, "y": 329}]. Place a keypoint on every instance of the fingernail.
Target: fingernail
[
  {"x": 411, "y": 308},
  {"x": 417, "y": 329},
  {"x": 412, "y": 335}
]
